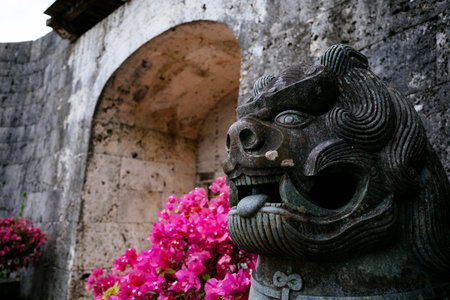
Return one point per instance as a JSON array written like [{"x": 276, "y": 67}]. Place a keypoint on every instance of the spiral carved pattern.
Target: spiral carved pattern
[
  {"x": 336, "y": 151},
  {"x": 364, "y": 115},
  {"x": 342, "y": 58},
  {"x": 377, "y": 119},
  {"x": 405, "y": 157},
  {"x": 427, "y": 220},
  {"x": 260, "y": 83}
]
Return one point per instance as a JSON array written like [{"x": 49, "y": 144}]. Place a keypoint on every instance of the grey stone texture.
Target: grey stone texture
[
  {"x": 49, "y": 90},
  {"x": 35, "y": 85}
]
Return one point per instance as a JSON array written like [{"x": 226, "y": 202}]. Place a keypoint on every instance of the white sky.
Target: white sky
[{"x": 23, "y": 20}]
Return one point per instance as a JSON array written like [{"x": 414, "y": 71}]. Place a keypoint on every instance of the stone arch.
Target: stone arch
[{"x": 158, "y": 128}]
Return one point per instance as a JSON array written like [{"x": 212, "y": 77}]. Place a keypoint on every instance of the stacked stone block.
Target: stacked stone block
[{"x": 35, "y": 84}]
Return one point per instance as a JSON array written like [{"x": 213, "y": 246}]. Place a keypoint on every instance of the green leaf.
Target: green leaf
[
  {"x": 111, "y": 291},
  {"x": 169, "y": 271},
  {"x": 151, "y": 293},
  {"x": 206, "y": 277}
]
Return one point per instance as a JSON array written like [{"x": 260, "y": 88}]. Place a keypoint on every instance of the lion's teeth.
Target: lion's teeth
[{"x": 255, "y": 180}]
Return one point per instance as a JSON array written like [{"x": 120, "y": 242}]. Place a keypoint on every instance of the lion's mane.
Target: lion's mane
[{"x": 375, "y": 118}]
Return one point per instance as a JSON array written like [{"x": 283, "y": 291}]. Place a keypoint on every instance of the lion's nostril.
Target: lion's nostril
[
  {"x": 248, "y": 139},
  {"x": 228, "y": 143}
]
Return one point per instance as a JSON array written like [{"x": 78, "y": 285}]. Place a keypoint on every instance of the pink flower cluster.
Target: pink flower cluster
[
  {"x": 191, "y": 257},
  {"x": 19, "y": 244}
]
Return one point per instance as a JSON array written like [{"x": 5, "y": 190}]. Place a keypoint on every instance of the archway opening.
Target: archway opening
[{"x": 159, "y": 128}]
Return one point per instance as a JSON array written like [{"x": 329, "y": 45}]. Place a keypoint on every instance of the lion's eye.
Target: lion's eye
[{"x": 291, "y": 117}]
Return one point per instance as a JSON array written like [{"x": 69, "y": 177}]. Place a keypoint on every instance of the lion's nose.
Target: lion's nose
[
  {"x": 248, "y": 139},
  {"x": 245, "y": 133}
]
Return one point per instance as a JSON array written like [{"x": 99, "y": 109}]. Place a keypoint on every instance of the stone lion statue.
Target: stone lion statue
[{"x": 334, "y": 184}]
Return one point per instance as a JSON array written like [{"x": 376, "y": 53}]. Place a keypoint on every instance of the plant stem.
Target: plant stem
[{"x": 24, "y": 195}]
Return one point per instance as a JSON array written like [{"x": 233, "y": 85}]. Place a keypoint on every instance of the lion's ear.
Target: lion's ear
[{"x": 342, "y": 58}]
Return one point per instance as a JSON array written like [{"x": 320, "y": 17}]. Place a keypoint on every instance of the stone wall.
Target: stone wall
[
  {"x": 211, "y": 139},
  {"x": 37, "y": 153},
  {"x": 49, "y": 90}
]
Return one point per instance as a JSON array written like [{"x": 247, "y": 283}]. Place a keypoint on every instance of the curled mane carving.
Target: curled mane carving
[{"x": 374, "y": 117}]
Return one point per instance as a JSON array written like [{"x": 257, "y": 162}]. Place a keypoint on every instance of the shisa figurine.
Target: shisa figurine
[{"x": 336, "y": 187}]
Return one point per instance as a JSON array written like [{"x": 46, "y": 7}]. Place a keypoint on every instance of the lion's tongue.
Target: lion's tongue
[{"x": 250, "y": 205}]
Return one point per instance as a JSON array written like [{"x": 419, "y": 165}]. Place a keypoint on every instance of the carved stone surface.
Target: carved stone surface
[{"x": 334, "y": 184}]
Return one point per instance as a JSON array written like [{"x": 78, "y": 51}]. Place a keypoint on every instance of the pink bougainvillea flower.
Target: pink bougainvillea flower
[
  {"x": 191, "y": 255},
  {"x": 213, "y": 289},
  {"x": 165, "y": 297},
  {"x": 234, "y": 283},
  {"x": 128, "y": 258},
  {"x": 20, "y": 243},
  {"x": 188, "y": 279}
]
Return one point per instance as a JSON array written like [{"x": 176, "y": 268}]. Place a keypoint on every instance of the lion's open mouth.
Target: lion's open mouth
[
  {"x": 327, "y": 192},
  {"x": 253, "y": 192},
  {"x": 333, "y": 189}
]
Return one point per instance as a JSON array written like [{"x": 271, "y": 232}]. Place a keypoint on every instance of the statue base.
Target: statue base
[{"x": 260, "y": 292}]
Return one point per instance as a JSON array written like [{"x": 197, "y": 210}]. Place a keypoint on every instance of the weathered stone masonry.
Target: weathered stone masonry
[
  {"x": 35, "y": 158},
  {"x": 49, "y": 90}
]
